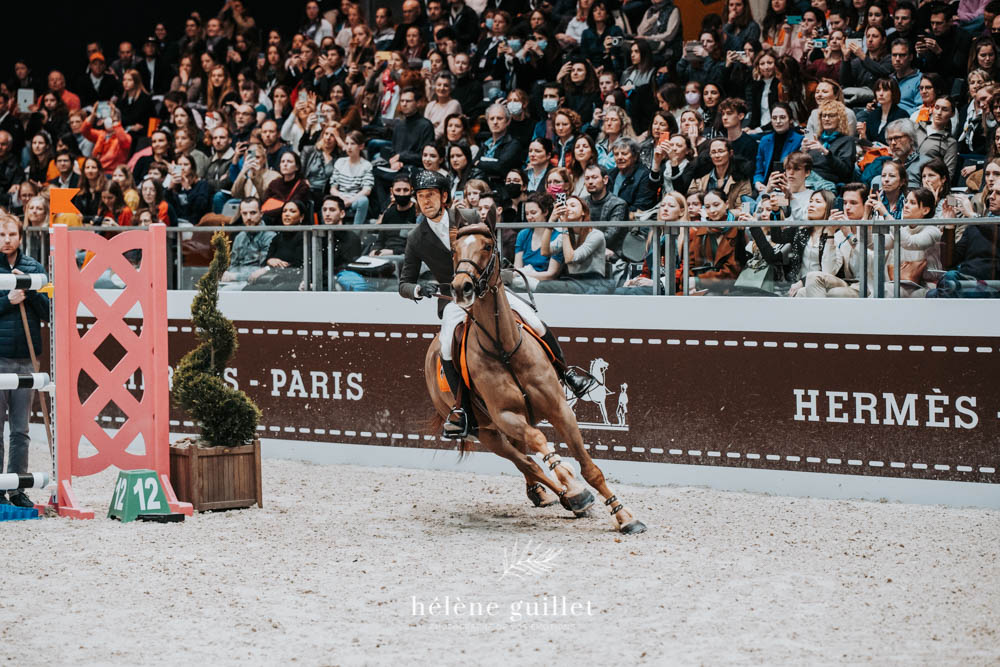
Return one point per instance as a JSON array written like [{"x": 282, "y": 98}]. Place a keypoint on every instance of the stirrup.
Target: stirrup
[
  {"x": 457, "y": 425},
  {"x": 579, "y": 381}
]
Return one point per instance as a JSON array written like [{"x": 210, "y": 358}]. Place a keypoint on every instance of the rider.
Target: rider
[{"x": 430, "y": 243}]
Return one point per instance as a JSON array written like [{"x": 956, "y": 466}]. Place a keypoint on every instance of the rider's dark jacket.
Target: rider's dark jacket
[{"x": 423, "y": 246}]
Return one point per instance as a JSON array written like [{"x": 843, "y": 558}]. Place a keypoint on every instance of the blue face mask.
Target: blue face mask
[
  {"x": 489, "y": 24},
  {"x": 542, "y": 43},
  {"x": 550, "y": 105},
  {"x": 514, "y": 44}
]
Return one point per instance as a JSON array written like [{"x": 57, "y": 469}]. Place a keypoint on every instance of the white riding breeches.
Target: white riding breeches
[{"x": 453, "y": 316}]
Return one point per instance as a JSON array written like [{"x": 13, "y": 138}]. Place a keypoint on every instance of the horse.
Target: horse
[
  {"x": 516, "y": 386},
  {"x": 599, "y": 393}
]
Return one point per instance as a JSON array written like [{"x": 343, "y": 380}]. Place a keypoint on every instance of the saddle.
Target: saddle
[{"x": 459, "y": 346}]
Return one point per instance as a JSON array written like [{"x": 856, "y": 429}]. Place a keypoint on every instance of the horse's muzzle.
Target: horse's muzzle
[{"x": 465, "y": 292}]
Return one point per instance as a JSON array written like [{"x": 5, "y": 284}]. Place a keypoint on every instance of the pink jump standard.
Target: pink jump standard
[{"x": 145, "y": 351}]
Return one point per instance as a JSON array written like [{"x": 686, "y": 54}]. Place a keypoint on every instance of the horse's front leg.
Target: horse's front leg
[
  {"x": 573, "y": 495},
  {"x": 534, "y": 477}
]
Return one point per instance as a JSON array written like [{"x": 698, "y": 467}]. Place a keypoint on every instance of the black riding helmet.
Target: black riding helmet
[{"x": 431, "y": 180}]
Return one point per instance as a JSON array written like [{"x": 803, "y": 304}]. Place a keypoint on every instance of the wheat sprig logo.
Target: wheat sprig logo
[{"x": 530, "y": 560}]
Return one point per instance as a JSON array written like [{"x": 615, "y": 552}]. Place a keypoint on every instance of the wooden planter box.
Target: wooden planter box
[{"x": 217, "y": 478}]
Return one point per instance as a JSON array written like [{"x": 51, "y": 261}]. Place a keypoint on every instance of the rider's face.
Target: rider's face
[{"x": 429, "y": 202}]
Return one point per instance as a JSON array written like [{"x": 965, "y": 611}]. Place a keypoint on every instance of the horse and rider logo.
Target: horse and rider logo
[{"x": 599, "y": 395}]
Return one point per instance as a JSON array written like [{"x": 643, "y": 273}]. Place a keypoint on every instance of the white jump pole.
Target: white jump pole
[
  {"x": 25, "y": 281},
  {"x": 24, "y": 381},
  {"x": 32, "y": 480}
]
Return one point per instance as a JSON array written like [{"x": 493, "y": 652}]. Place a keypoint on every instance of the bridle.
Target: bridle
[
  {"x": 481, "y": 277},
  {"x": 484, "y": 280}
]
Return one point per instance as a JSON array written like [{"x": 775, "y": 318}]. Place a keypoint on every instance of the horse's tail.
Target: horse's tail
[{"x": 434, "y": 425}]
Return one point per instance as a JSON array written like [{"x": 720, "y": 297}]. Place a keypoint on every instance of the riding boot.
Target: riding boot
[
  {"x": 457, "y": 426},
  {"x": 578, "y": 383}
]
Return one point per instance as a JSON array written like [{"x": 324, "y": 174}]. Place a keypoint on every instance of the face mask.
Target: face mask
[
  {"x": 542, "y": 43},
  {"x": 515, "y": 108},
  {"x": 402, "y": 200},
  {"x": 692, "y": 99},
  {"x": 554, "y": 189},
  {"x": 514, "y": 44},
  {"x": 550, "y": 105},
  {"x": 514, "y": 190},
  {"x": 489, "y": 24}
]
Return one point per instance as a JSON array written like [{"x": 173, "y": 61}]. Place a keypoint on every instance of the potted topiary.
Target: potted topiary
[{"x": 221, "y": 469}]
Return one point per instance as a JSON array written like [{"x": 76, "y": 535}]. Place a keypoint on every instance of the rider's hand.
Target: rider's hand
[{"x": 426, "y": 290}]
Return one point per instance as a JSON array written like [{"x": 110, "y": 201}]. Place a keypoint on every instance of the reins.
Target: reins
[{"x": 486, "y": 280}]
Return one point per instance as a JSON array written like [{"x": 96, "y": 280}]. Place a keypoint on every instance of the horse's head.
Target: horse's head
[{"x": 477, "y": 264}]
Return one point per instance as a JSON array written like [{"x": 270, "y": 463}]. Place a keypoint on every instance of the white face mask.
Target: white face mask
[
  {"x": 692, "y": 98},
  {"x": 515, "y": 108}
]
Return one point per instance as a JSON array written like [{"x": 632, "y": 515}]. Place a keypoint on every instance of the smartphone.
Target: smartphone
[
  {"x": 664, "y": 136},
  {"x": 838, "y": 203},
  {"x": 745, "y": 207},
  {"x": 426, "y": 65},
  {"x": 952, "y": 200},
  {"x": 855, "y": 41},
  {"x": 103, "y": 110},
  {"x": 793, "y": 20},
  {"x": 25, "y": 98},
  {"x": 261, "y": 58},
  {"x": 560, "y": 199},
  {"x": 820, "y": 43}
]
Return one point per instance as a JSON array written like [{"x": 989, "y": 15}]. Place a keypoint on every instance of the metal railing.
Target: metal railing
[{"x": 318, "y": 240}]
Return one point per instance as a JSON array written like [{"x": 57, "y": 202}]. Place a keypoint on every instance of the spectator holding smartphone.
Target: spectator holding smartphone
[{"x": 582, "y": 248}]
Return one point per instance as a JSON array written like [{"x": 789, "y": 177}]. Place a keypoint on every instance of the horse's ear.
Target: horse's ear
[{"x": 491, "y": 219}]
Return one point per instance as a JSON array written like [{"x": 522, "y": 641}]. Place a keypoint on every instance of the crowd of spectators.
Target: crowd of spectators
[{"x": 557, "y": 111}]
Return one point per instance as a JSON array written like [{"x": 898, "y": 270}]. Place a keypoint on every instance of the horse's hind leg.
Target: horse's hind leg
[
  {"x": 534, "y": 477},
  {"x": 624, "y": 520},
  {"x": 573, "y": 495}
]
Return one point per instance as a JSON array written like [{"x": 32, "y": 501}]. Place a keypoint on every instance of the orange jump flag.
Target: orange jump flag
[{"x": 61, "y": 201}]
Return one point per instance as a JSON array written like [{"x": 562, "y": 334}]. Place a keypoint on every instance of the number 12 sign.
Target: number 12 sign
[{"x": 137, "y": 492}]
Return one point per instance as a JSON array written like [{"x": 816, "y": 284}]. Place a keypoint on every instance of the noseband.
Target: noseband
[{"x": 482, "y": 274}]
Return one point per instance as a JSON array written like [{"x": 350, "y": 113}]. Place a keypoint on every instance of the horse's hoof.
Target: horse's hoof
[
  {"x": 581, "y": 514},
  {"x": 633, "y": 527},
  {"x": 538, "y": 500},
  {"x": 581, "y": 502}
]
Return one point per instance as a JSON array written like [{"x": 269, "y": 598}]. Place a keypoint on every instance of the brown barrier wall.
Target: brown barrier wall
[{"x": 704, "y": 398}]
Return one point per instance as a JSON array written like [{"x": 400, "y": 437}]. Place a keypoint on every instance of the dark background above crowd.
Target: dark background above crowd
[{"x": 111, "y": 22}]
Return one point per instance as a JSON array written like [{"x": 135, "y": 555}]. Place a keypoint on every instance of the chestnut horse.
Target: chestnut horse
[{"x": 517, "y": 385}]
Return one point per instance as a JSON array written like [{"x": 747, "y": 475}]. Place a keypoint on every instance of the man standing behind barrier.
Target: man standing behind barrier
[{"x": 15, "y": 404}]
